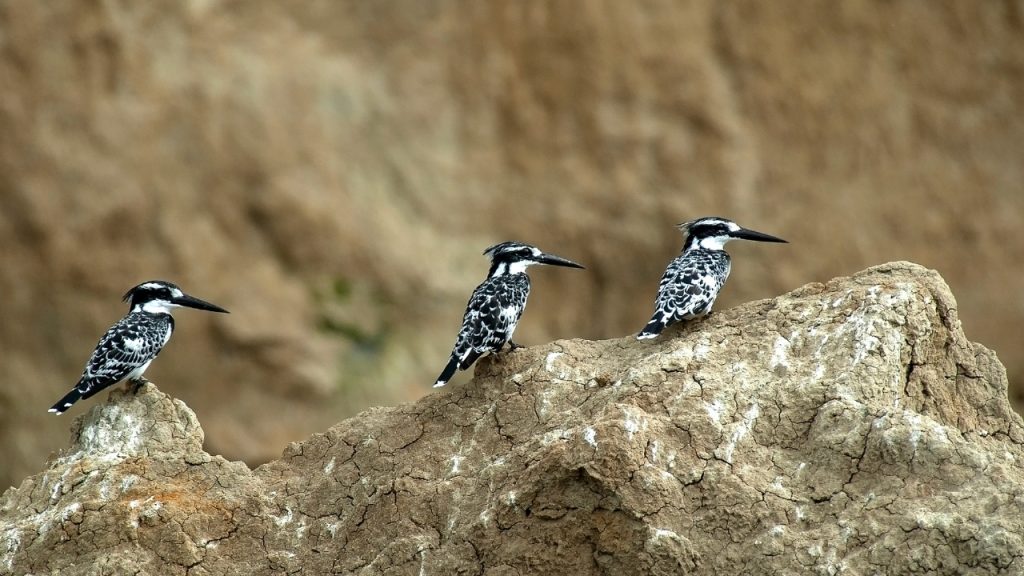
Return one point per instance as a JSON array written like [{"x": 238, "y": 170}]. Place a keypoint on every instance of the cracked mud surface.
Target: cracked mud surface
[{"x": 846, "y": 428}]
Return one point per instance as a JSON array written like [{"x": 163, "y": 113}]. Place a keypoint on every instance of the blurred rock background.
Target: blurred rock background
[{"x": 331, "y": 170}]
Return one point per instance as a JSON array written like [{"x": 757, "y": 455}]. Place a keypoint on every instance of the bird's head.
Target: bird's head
[
  {"x": 712, "y": 233},
  {"x": 157, "y": 296},
  {"x": 516, "y": 257}
]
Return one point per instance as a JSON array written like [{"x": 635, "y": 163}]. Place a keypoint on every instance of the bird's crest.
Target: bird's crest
[{"x": 510, "y": 247}]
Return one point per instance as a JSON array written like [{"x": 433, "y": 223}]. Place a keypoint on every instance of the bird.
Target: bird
[
  {"x": 497, "y": 304},
  {"x": 692, "y": 281},
  {"x": 130, "y": 345}
]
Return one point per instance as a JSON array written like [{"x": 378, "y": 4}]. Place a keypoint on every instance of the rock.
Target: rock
[
  {"x": 848, "y": 427},
  {"x": 135, "y": 490},
  {"x": 331, "y": 171}
]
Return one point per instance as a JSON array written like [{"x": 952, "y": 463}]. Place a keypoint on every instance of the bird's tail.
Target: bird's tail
[
  {"x": 653, "y": 328},
  {"x": 448, "y": 372},
  {"x": 64, "y": 403}
]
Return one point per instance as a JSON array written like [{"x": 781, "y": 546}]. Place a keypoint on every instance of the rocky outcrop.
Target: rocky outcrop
[
  {"x": 846, "y": 428},
  {"x": 330, "y": 172}
]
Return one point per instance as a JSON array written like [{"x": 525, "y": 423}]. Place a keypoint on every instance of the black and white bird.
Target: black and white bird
[
  {"x": 126, "y": 350},
  {"x": 497, "y": 304},
  {"x": 691, "y": 282}
]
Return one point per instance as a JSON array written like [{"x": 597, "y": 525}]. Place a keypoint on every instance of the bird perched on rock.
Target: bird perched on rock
[
  {"x": 691, "y": 282},
  {"x": 496, "y": 305},
  {"x": 126, "y": 350}
]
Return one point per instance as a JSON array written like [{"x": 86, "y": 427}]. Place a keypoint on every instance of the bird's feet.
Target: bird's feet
[
  {"x": 512, "y": 346},
  {"x": 137, "y": 384}
]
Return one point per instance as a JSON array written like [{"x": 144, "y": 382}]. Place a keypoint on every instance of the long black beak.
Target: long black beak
[
  {"x": 556, "y": 261},
  {"x": 745, "y": 234},
  {"x": 193, "y": 302}
]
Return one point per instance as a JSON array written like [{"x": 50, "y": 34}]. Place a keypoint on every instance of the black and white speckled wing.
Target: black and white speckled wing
[
  {"x": 124, "y": 351},
  {"x": 491, "y": 317},
  {"x": 688, "y": 288}
]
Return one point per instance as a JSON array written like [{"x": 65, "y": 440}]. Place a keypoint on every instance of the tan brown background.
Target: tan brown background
[{"x": 331, "y": 171}]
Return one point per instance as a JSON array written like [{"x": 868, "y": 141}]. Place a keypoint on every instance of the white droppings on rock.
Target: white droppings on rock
[
  {"x": 552, "y": 436},
  {"x": 714, "y": 410},
  {"x": 683, "y": 354},
  {"x": 332, "y": 528},
  {"x": 665, "y": 533},
  {"x": 741, "y": 430},
  {"x": 109, "y": 439},
  {"x": 329, "y": 467},
  {"x": 69, "y": 510},
  {"x": 283, "y": 519},
  {"x": 499, "y": 461},
  {"x": 866, "y": 328},
  {"x": 543, "y": 403},
  {"x": 549, "y": 364},
  {"x": 862, "y": 328},
  {"x": 59, "y": 485},
  {"x": 128, "y": 481},
  {"x": 456, "y": 460},
  {"x": 940, "y": 433},
  {"x": 12, "y": 539},
  {"x": 822, "y": 341},
  {"x": 590, "y": 436},
  {"x": 632, "y": 424},
  {"x": 819, "y": 372},
  {"x": 838, "y": 301},
  {"x": 106, "y": 487},
  {"x": 43, "y": 521},
  {"x": 151, "y": 511},
  {"x": 701, "y": 350},
  {"x": 915, "y": 437},
  {"x": 923, "y": 427},
  {"x": 780, "y": 353}
]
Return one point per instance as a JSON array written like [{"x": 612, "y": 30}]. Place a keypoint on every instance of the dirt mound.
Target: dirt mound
[{"x": 847, "y": 427}]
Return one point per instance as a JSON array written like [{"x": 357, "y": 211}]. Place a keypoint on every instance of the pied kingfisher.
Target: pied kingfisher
[
  {"x": 126, "y": 350},
  {"x": 496, "y": 305},
  {"x": 691, "y": 282}
]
